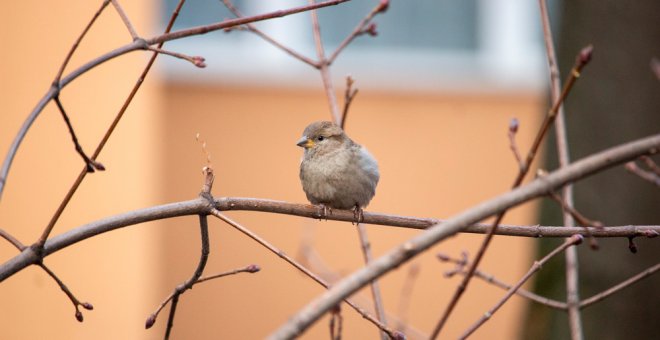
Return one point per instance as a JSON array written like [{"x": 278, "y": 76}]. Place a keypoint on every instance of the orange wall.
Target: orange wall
[
  {"x": 115, "y": 272},
  {"x": 438, "y": 154}
]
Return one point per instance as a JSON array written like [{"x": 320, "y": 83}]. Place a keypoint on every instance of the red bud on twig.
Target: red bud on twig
[
  {"x": 150, "y": 322},
  {"x": 253, "y": 268},
  {"x": 584, "y": 57},
  {"x": 199, "y": 61},
  {"x": 513, "y": 125},
  {"x": 383, "y": 6},
  {"x": 371, "y": 30}
]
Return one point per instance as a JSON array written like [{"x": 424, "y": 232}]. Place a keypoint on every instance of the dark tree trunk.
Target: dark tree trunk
[{"x": 617, "y": 99}]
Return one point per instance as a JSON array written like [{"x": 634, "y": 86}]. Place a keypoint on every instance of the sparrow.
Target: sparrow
[{"x": 336, "y": 172}]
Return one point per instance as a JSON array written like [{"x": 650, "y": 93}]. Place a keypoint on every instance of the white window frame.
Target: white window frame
[{"x": 509, "y": 58}]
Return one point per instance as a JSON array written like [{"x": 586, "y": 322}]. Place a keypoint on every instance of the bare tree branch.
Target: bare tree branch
[
  {"x": 581, "y": 61},
  {"x": 138, "y": 44},
  {"x": 498, "y": 283},
  {"x": 252, "y": 28},
  {"x": 571, "y": 256},
  {"x": 571, "y": 241},
  {"x": 215, "y": 212},
  {"x": 407, "y": 250},
  {"x": 324, "y": 68}
]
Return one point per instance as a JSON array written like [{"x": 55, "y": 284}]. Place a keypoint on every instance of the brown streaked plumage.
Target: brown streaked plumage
[{"x": 335, "y": 172}]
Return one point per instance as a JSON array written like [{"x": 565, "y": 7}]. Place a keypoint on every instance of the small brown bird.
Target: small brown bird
[{"x": 335, "y": 171}]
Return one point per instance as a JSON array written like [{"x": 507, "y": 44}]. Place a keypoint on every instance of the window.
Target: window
[{"x": 422, "y": 44}]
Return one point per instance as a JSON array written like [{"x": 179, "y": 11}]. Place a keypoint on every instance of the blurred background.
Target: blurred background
[{"x": 437, "y": 89}]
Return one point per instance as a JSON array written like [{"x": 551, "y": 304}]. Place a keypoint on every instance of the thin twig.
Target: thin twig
[
  {"x": 360, "y": 29},
  {"x": 349, "y": 94},
  {"x": 643, "y": 174},
  {"x": 188, "y": 284},
  {"x": 625, "y": 284},
  {"x": 124, "y": 18},
  {"x": 571, "y": 256},
  {"x": 313, "y": 260},
  {"x": 195, "y": 60},
  {"x": 253, "y": 268},
  {"x": 489, "y": 278},
  {"x": 252, "y": 28},
  {"x": 571, "y": 241},
  {"x": 651, "y": 164},
  {"x": 582, "y": 59},
  {"x": 365, "y": 245},
  {"x": 73, "y": 49},
  {"x": 324, "y": 68},
  {"x": 90, "y": 163},
  {"x": 336, "y": 324},
  {"x": 301, "y": 268},
  {"x": 581, "y": 219},
  {"x": 76, "y": 303},
  {"x": 209, "y": 177},
  {"x": 513, "y": 129},
  {"x": 69, "y": 294},
  {"x": 11, "y": 239},
  {"x": 405, "y": 296}
]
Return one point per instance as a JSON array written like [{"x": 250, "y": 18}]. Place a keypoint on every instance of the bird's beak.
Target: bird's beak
[{"x": 305, "y": 142}]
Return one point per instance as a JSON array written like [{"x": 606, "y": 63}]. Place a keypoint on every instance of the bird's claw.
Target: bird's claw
[
  {"x": 324, "y": 211},
  {"x": 358, "y": 215}
]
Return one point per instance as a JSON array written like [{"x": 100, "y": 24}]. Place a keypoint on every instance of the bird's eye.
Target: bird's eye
[{"x": 320, "y": 138}]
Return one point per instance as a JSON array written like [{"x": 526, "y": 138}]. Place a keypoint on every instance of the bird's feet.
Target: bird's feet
[
  {"x": 324, "y": 211},
  {"x": 358, "y": 215}
]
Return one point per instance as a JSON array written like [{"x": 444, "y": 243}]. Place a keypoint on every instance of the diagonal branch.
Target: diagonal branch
[
  {"x": 124, "y": 18},
  {"x": 301, "y": 268},
  {"x": 73, "y": 49},
  {"x": 581, "y": 61},
  {"x": 91, "y": 164},
  {"x": 569, "y": 242},
  {"x": 625, "y": 284},
  {"x": 252, "y": 28},
  {"x": 360, "y": 29},
  {"x": 407, "y": 250}
]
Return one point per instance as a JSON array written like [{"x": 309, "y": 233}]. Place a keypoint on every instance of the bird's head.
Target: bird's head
[{"x": 322, "y": 137}]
